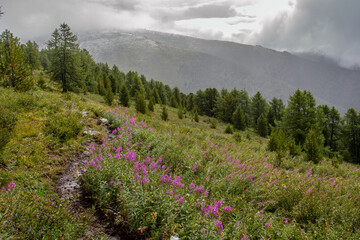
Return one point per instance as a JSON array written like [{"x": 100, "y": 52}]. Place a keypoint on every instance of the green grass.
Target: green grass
[
  {"x": 42, "y": 130},
  {"x": 293, "y": 200}
]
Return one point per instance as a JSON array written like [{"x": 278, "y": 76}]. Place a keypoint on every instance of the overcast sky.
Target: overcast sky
[{"x": 330, "y": 27}]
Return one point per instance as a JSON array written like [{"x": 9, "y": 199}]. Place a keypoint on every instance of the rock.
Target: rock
[
  {"x": 91, "y": 132},
  {"x": 104, "y": 120}
]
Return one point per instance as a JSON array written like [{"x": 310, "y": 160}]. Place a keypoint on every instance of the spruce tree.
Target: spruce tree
[
  {"x": 64, "y": 67},
  {"x": 262, "y": 126},
  {"x": 32, "y": 55},
  {"x": 124, "y": 97},
  {"x": 238, "y": 119}
]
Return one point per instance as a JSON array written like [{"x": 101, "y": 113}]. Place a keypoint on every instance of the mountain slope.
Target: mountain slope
[{"x": 193, "y": 64}]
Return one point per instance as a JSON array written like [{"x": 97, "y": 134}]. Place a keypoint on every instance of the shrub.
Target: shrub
[
  {"x": 140, "y": 103},
  {"x": 164, "y": 114},
  {"x": 180, "y": 113},
  {"x": 237, "y": 137},
  {"x": 7, "y": 122},
  {"x": 313, "y": 146},
  {"x": 229, "y": 129},
  {"x": 213, "y": 123},
  {"x": 196, "y": 116},
  {"x": 64, "y": 126}
]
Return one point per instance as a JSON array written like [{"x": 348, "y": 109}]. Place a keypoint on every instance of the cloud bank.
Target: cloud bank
[{"x": 324, "y": 26}]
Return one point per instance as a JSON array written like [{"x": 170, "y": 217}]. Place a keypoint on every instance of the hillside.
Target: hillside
[
  {"x": 193, "y": 64},
  {"x": 150, "y": 178}
]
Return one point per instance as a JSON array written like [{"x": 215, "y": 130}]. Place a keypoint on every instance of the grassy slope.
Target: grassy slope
[
  {"x": 295, "y": 201},
  {"x": 44, "y": 131}
]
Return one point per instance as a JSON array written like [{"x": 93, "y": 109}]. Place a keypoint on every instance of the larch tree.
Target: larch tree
[
  {"x": 14, "y": 71},
  {"x": 63, "y": 48}
]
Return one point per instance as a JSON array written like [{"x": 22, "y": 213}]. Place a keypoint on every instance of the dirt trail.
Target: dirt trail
[{"x": 69, "y": 189}]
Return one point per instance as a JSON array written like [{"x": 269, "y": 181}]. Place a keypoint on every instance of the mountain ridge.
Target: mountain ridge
[{"x": 192, "y": 64}]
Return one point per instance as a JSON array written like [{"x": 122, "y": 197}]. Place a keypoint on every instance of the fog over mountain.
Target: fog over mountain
[{"x": 192, "y": 64}]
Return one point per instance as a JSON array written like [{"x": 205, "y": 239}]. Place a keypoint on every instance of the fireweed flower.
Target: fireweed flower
[
  {"x": 119, "y": 183},
  {"x": 199, "y": 189},
  {"x": 98, "y": 167},
  {"x": 267, "y": 225},
  {"x": 192, "y": 186},
  {"x": 227, "y": 209},
  {"x": 181, "y": 200},
  {"x": 219, "y": 225}
]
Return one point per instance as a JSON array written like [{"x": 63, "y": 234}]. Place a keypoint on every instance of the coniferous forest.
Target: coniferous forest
[{"x": 213, "y": 164}]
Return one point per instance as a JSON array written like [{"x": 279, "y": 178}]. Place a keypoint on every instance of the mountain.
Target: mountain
[{"x": 192, "y": 64}]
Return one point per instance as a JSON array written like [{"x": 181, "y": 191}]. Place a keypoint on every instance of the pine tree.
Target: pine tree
[
  {"x": 164, "y": 114},
  {"x": 124, "y": 97},
  {"x": 238, "y": 119},
  {"x": 140, "y": 103},
  {"x": 262, "y": 126},
  {"x": 14, "y": 72},
  {"x": 64, "y": 67}
]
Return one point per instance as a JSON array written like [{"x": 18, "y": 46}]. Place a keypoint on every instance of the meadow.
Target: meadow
[
  {"x": 180, "y": 178},
  {"x": 155, "y": 179}
]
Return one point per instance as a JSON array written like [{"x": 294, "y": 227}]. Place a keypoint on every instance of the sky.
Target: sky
[{"x": 329, "y": 27}]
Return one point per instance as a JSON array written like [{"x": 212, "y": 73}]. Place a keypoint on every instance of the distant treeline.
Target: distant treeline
[{"x": 299, "y": 126}]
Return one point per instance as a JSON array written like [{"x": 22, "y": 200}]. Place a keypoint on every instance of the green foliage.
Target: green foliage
[
  {"x": 64, "y": 125},
  {"x": 294, "y": 149},
  {"x": 7, "y": 122},
  {"x": 262, "y": 126},
  {"x": 140, "y": 104},
  {"x": 277, "y": 141},
  {"x": 259, "y": 107},
  {"x": 180, "y": 112},
  {"x": 124, "y": 97},
  {"x": 14, "y": 71},
  {"x": 229, "y": 129},
  {"x": 313, "y": 146},
  {"x": 31, "y": 50},
  {"x": 173, "y": 102},
  {"x": 164, "y": 114},
  {"x": 238, "y": 119},
  {"x": 196, "y": 116},
  {"x": 300, "y": 115},
  {"x": 109, "y": 96},
  {"x": 64, "y": 63},
  {"x": 151, "y": 104},
  {"x": 351, "y": 134},
  {"x": 237, "y": 137},
  {"x": 213, "y": 123}
]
